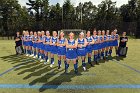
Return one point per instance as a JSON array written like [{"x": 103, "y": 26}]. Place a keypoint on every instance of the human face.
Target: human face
[
  {"x": 88, "y": 34},
  {"x": 54, "y": 33},
  {"x": 71, "y": 35}
]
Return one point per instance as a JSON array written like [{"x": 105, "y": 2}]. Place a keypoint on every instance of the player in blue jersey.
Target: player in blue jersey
[
  {"x": 112, "y": 39},
  {"x": 99, "y": 43},
  {"x": 71, "y": 54},
  {"x": 31, "y": 44},
  {"x": 47, "y": 46},
  {"x": 35, "y": 38},
  {"x": 39, "y": 41},
  {"x": 103, "y": 45},
  {"x": 90, "y": 42},
  {"x": 116, "y": 41},
  {"x": 53, "y": 43},
  {"x": 42, "y": 46},
  {"x": 95, "y": 46},
  {"x": 27, "y": 43},
  {"x": 23, "y": 42},
  {"x": 107, "y": 44},
  {"x": 61, "y": 43},
  {"x": 81, "y": 49}
]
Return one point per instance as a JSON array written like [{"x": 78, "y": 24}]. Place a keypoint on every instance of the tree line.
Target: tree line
[{"x": 42, "y": 16}]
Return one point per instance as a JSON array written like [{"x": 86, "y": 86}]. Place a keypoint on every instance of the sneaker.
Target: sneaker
[
  {"x": 48, "y": 60},
  {"x": 34, "y": 56},
  {"x": 76, "y": 71},
  {"x": 66, "y": 71},
  {"x": 45, "y": 63},
  {"x": 41, "y": 60},
  {"x": 59, "y": 66},
  {"x": 51, "y": 65},
  {"x": 27, "y": 55},
  {"x": 84, "y": 68}
]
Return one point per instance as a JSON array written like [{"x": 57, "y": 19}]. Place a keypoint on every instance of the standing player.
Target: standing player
[
  {"x": 116, "y": 41},
  {"x": 35, "y": 38},
  {"x": 99, "y": 45},
  {"x": 81, "y": 49},
  {"x": 61, "y": 43},
  {"x": 95, "y": 46},
  {"x": 42, "y": 46},
  {"x": 103, "y": 45},
  {"x": 47, "y": 46},
  {"x": 107, "y": 44},
  {"x": 71, "y": 54},
  {"x": 39, "y": 45},
  {"x": 53, "y": 43},
  {"x": 31, "y": 44},
  {"x": 27, "y": 43},
  {"x": 112, "y": 39},
  {"x": 23, "y": 41},
  {"x": 90, "y": 42}
]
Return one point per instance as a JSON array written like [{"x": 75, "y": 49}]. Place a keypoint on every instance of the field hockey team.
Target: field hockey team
[{"x": 42, "y": 46}]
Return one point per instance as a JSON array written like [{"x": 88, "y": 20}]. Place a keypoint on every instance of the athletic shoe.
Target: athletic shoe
[
  {"x": 51, "y": 65},
  {"x": 48, "y": 60},
  {"x": 34, "y": 56},
  {"x": 27, "y": 55},
  {"x": 84, "y": 68},
  {"x": 41, "y": 60},
  {"x": 45, "y": 63}
]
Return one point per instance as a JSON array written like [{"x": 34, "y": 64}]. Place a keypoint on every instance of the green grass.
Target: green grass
[{"x": 39, "y": 74}]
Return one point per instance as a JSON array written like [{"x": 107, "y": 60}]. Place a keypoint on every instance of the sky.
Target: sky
[{"x": 76, "y": 2}]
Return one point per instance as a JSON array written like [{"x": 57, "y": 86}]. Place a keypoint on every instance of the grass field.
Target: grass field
[{"x": 20, "y": 74}]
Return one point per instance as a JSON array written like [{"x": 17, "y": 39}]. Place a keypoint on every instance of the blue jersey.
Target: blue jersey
[
  {"x": 95, "y": 38},
  {"x": 54, "y": 40},
  {"x": 89, "y": 47},
  {"x": 71, "y": 53},
  {"x": 31, "y": 37},
  {"x": 62, "y": 41},
  {"x": 81, "y": 41},
  {"x": 71, "y": 43},
  {"x": 89, "y": 39},
  {"x": 47, "y": 39},
  {"x": 35, "y": 39},
  {"x": 62, "y": 49},
  {"x": 81, "y": 51}
]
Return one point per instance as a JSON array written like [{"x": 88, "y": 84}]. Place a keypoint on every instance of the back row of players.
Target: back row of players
[{"x": 40, "y": 44}]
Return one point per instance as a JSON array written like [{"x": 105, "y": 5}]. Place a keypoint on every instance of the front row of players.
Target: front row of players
[{"x": 39, "y": 45}]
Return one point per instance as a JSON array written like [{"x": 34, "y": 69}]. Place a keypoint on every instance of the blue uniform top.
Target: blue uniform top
[
  {"x": 99, "y": 39},
  {"x": 71, "y": 43},
  {"x": 89, "y": 39},
  {"x": 62, "y": 41},
  {"x": 31, "y": 37},
  {"x": 95, "y": 38},
  {"x": 35, "y": 39},
  {"x": 112, "y": 37},
  {"x": 47, "y": 39},
  {"x": 105, "y": 37},
  {"x": 116, "y": 36},
  {"x": 54, "y": 40},
  {"x": 81, "y": 42},
  {"x": 27, "y": 37}
]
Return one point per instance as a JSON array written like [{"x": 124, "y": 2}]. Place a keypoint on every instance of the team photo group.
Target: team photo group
[{"x": 92, "y": 45}]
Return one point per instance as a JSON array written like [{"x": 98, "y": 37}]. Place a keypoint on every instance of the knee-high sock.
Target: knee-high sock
[
  {"x": 46, "y": 58},
  {"x": 89, "y": 60},
  {"x": 102, "y": 54},
  {"x": 75, "y": 67},
  {"x": 83, "y": 63},
  {"x": 52, "y": 60},
  {"x": 106, "y": 53},
  {"x": 59, "y": 62},
  {"x": 110, "y": 52}
]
